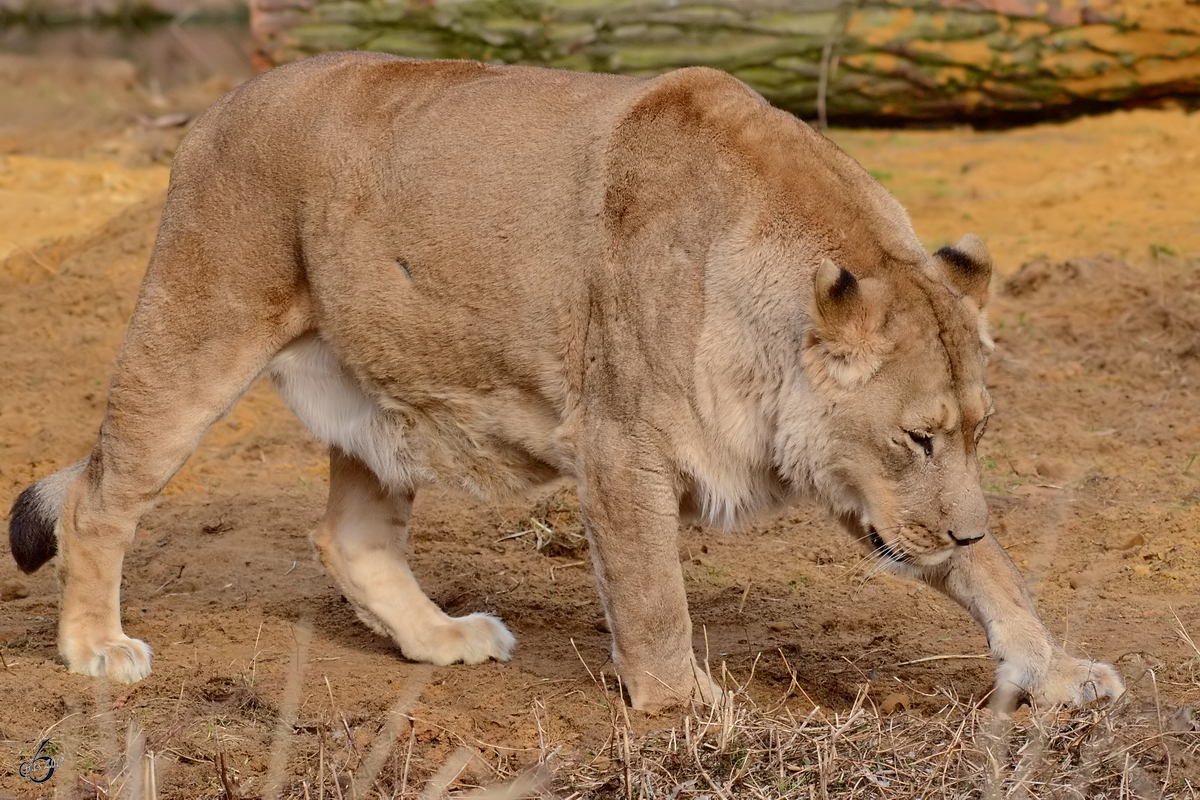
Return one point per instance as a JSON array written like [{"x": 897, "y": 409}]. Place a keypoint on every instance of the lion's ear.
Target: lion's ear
[
  {"x": 968, "y": 265},
  {"x": 847, "y": 318}
]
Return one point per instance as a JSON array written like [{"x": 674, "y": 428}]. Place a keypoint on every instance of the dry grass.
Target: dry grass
[
  {"x": 1134, "y": 749},
  {"x": 1137, "y": 748},
  {"x": 554, "y": 526},
  {"x": 1130, "y": 749},
  {"x": 962, "y": 751}
]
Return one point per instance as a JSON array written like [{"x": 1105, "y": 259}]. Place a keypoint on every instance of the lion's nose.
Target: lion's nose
[{"x": 963, "y": 541}]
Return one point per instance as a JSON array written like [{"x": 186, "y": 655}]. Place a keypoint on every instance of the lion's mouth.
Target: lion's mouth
[{"x": 883, "y": 548}]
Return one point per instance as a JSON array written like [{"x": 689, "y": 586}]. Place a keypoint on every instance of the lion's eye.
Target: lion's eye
[{"x": 923, "y": 441}]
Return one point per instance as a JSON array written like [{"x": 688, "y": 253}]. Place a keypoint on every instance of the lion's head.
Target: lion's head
[{"x": 896, "y": 363}]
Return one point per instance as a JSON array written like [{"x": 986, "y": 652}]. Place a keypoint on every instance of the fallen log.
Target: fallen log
[{"x": 858, "y": 61}]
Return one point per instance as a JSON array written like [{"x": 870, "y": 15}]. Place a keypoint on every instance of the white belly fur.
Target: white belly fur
[
  {"x": 490, "y": 447},
  {"x": 332, "y": 404}
]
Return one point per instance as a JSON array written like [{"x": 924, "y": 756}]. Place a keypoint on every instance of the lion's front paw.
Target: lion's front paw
[
  {"x": 119, "y": 659},
  {"x": 1077, "y": 681},
  {"x": 472, "y": 639},
  {"x": 649, "y": 692},
  {"x": 1065, "y": 681}
]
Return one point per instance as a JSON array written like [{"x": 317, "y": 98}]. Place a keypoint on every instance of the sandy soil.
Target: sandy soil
[{"x": 1091, "y": 466}]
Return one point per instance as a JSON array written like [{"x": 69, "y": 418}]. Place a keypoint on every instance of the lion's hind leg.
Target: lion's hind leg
[
  {"x": 362, "y": 542},
  {"x": 205, "y": 325},
  {"x": 180, "y": 369}
]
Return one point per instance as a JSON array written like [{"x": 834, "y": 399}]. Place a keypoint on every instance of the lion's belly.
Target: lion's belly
[{"x": 490, "y": 444}]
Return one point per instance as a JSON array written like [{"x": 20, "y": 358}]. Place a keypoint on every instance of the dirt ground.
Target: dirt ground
[{"x": 1092, "y": 468}]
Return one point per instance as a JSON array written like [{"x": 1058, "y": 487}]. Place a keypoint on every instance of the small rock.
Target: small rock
[
  {"x": 1141, "y": 570},
  {"x": 780, "y": 625},
  {"x": 1075, "y": 582},
  {"x": 895, "y": 702},
  {"x": 13, "y": 590},
  {"x": 602, "y": 625},
  {"x": 362, "y": 739}
]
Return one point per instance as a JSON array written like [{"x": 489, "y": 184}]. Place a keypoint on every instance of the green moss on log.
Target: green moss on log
[{"x": 899, "y": 60}]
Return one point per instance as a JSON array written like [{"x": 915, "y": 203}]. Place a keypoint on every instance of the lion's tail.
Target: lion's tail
[{"x": 34, "y": 518}]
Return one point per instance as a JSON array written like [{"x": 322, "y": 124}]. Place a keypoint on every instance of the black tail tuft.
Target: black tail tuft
[{"x": 31, "y": 531}]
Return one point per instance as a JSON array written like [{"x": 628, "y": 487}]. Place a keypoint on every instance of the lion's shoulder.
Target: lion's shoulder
[{"x": 693, "y": 99}]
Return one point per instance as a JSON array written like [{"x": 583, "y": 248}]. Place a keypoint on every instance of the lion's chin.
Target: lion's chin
[
  {"x": 932, "y": 559},
  {"x": 903, "y": 558}
]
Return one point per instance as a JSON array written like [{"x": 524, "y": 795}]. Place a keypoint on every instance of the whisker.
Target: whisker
[
  {"x": 866, "y": 536},
  {"x": 877, "y": 558},
  {"x": 880, "y": 564},
  {"x": 865, "y": 560},
  {"x": 884, "y": 564}
]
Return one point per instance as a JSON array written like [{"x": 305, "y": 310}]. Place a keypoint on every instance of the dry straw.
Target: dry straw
[
  {"x": 963, "y": 750},
  {"x": 953, "y": 748}
]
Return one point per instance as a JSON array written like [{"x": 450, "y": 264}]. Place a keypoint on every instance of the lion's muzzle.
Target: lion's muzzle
[{"x": 964, "y": 540}]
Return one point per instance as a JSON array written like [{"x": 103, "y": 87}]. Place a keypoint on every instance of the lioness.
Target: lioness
[{"x": 685, "y": 299}]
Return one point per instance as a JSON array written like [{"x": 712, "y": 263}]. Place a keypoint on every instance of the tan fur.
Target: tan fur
[{"x": 498, "y": 276}]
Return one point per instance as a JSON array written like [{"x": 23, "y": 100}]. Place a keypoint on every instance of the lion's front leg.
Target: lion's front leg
[
  {"x": 985, "y": 581},
  {"x": 631, "y": 509}
]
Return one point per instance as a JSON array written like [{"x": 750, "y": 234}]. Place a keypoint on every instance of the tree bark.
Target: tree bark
[{"x": 984, "y": 62}]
